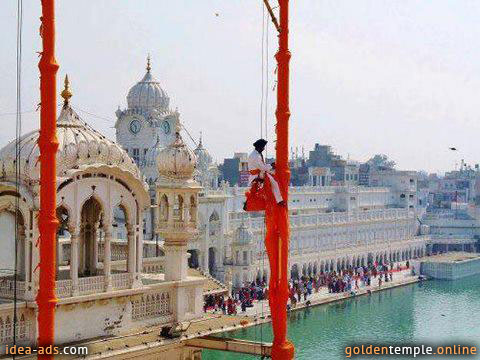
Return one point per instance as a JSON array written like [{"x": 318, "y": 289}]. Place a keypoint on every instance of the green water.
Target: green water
[{"x": 434, "y": 312}]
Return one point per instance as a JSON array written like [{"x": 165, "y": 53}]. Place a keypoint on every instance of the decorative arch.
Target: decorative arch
[
  {"x": 91, "y": 217},
  {"x": 7, "y": 239}
]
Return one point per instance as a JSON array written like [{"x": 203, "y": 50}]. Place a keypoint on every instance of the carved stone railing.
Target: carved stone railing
[
  {"x": 332, "y": 218},
  {"x": 7, "y": 287},
  {"x": 153, "y": 305},
  {"x": 63, "y": 288},
  {"x": 122, "y": 281},
  {"x": 155, "y": 265},
  {"x": 119, "y": 251},
  {"x": 91, "y": 285}
]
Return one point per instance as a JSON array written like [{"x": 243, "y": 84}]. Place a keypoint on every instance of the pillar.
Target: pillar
[
  {"x": 131, "y": 249},
  {"x": 206, "y": 247},
  {"x": 27, "y": 267},
  {"x": 107, "y": 256},
  {"x": 186, "y": 209},
  {"x": 171, "y": 204},
  {"x": 81, "y": 249},
  {"x": 139, "y": 265},
  {"x": 176, "y": 261},
  {"x": 95, "y": 238},
  {"x": 74, "y": 259}
]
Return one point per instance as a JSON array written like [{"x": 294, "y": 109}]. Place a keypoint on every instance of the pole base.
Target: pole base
[{"x": 283, "y": 351}]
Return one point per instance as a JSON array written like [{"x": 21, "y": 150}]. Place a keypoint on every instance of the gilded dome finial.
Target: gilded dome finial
[
  {"x": 149, "y": 67},
  {"x": 66, "y": 93}
]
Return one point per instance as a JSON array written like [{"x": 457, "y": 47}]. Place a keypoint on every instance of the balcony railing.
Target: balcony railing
[
  {"x": 7, "y": 288},
  {"x": 93, "y": 285},
  {"x": 122, "y": 281},
  {"x": 330, "y": 218}
]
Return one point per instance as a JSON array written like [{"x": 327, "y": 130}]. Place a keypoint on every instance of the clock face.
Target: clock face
[
  {"x": 166, "y": 127},
  {"x": 135, "y": 126}
]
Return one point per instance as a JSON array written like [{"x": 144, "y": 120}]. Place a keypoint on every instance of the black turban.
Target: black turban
[{"x": 260, "y": 142}]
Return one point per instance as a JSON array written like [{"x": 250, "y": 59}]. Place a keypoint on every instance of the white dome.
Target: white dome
[
  {"x": 204, "y": 159},
  {"x": 177, "y": 160},
  {"x": 80, "y": 146},
  {"x": 243, "y": 235},
  {"x": 148, "y": 94}
]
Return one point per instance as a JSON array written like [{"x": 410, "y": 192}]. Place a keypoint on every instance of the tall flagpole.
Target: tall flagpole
[
  {"x": 278, "y": 237},
  {"x": 48, "y": 144}
]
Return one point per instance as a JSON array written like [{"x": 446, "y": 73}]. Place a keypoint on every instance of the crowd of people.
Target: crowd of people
[
  {"x": 345, "y": 281},
  {"x": 348, "y": 280},
  {"x": 242, "y": 297}
]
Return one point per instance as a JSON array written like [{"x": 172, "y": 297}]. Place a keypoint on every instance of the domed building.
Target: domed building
[
  {"x": 206, "y": 172},
  {"x": 177, "y": 161},
  {"x": 147, "y": 124},
  {"x": 148, "y": 94},
  {"x": 242, "y": 262},
  {"x": 144, "y": 128},
  {"x": 96, "y": 179}
]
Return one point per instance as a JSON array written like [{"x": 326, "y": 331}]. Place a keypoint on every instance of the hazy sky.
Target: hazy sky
[{"x": 394, "y": 77}]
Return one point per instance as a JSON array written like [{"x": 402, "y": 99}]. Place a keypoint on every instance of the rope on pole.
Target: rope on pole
[{"x": 18, "y": 133}]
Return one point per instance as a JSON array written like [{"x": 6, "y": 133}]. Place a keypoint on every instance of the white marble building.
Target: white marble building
[
  {"x": 99, "y": 189},
  {"x": 146, "y": 127},
  {"x": 332, "y": 226}
]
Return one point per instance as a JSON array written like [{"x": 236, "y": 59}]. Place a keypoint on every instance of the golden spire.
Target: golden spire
[
  {"x": 66, "y": 93},
  {"x": 148, "y": 63}
]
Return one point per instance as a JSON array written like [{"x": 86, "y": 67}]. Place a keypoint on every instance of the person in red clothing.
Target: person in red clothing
[{"x": 262, "y": 179}]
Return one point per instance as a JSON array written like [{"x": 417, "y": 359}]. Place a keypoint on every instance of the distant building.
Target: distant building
[
  {"x": 364, "y": 174},
  {"x": 235, "y": 170},
  {"x": 403, "y": 185},
  {"x": 319, "y": 176},
  {"x": 230, "y": 170},
  {"x": 344, "y": 172},
  {"x": 299, "y": 173}
]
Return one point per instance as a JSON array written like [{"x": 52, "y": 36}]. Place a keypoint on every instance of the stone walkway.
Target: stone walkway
[{"x": 261, "y": 308}]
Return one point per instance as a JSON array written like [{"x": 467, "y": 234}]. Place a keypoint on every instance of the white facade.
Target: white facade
[
  {"x": 403, "y": 185},
  {"x": 331, "y": 228}
]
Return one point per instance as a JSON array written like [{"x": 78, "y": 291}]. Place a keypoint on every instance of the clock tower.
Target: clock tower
[
  {"x": 147, "y": 124},
  {"x": 146, "y": 127}
]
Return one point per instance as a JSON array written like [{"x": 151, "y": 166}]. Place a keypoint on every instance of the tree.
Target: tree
[{"x": 381, "y": 162}]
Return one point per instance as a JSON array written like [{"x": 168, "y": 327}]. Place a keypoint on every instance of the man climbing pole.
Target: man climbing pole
[
  {"x": 262, "y": 180},
  {"x": 264, "y": 197}
]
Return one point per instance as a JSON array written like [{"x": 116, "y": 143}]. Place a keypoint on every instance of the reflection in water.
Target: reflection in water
[{"x": 435, "y": 312}]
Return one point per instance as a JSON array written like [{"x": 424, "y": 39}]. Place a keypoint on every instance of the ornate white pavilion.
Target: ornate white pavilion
[{"x": 100, "y": 192}]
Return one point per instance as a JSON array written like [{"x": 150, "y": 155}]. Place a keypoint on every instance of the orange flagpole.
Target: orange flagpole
[
  {"x": 48, "y": 144},
  {"x": 277, "y": 238}
]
